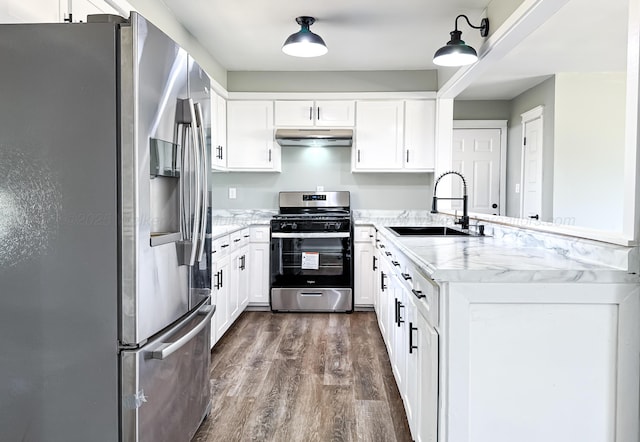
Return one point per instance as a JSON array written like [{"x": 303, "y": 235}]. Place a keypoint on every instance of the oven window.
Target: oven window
[{"x": 301, "y": 262}]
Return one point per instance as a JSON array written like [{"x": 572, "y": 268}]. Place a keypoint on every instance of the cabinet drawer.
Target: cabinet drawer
[
  {"x": 364, "y": 234},
  {"x": 220, "y": 247},
  {"x": 239, "y": 238},
  {"x": 260, "y": 234}
]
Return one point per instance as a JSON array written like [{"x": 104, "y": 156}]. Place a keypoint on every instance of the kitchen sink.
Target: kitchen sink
[{"x": 427, "y": 231}]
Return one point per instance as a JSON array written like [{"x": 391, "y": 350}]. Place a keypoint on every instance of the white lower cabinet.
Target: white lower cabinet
[
  {"x": 220, "y": 298},
  {"x": 364, "y": 266},
  {"x": 240, "y": 270},
  {"x": 259, "y": 250},
  {"x": 411, "y": 340}
]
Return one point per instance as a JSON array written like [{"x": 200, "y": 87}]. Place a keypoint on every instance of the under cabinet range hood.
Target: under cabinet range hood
[{"x": 314, "y": 137}]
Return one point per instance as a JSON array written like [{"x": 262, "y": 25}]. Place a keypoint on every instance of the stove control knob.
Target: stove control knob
[
  {"x": 283, "y": 226},
  {"x": 338, "y": 225},
  {"x": 294, "y": 226}
]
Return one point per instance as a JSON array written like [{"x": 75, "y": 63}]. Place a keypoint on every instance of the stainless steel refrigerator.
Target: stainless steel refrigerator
[{"x": 104, "y": 248}]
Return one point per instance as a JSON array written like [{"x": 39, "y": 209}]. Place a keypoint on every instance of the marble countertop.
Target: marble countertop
[
  {"x": 505, "y": 255},
  {"x": 492, "y": 259}
]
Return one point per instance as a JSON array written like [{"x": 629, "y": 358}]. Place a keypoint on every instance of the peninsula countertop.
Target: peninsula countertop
[{"x": 503, "y": 259}]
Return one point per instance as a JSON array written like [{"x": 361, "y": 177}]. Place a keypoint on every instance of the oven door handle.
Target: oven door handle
[{"x": 312, "y": 235}]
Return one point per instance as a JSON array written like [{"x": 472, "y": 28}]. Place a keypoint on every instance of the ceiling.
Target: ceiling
[{"x": 247, "y": 35}]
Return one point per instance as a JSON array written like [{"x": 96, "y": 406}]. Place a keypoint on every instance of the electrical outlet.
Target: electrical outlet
[
  {"x": 232, "y": 193},
  {"x": 319, "y": 188},
  {"x": 517, "y": 188}
]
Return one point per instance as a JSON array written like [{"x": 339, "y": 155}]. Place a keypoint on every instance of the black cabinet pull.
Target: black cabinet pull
[
  {"x": 236, "y": 240},
  {"x": 221, "y": 284},
  {"x": 397, "y": 311},
  {"x": 407, "y": 155},
  {"x": 395, "y": 263},
  {"x": 406, "y": 276},
  {"x": 269, "y": 155},
  {"x": 374, "y": 264},
  {"x": 382, "y": 246},
  {"x": 242, "y": 262},
  {"x": 358, "y": 155},
  {"x": 388, "y": 253},
  {"x": 418, "y": 293},
  {"x": 382, "y": 286},
  {"x": 224, "y": 245},
  {"x": 310, "y": 113},
  {"x": 216, "y": 284},
  {"x": 246, "y": 236},
  {"x": 318, "y": 113},
  {"x": 411, "y": 329},
  {"x": 400, "y": 320}
]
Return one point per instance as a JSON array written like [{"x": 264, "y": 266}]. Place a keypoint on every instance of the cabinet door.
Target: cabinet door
[
  {"x": 363, "y": 269},
  {"x": 243, "y": 279},
  {"x": 335, "y": 113},
  {"x": 419, "y": 134},
  {"x": 218, "y": 132},
  {"x": 294, "y": 113},
  {"x": 250, "y": 142},
  {"x": 222, "y": 281},
  {"x": 400, "y": 335},
  {"x": 427, "y": 410},
  {"x": 411, "y": 397},
  {"x": 378, "y": 143},
  {"x": 259, "y": 271},
  {"x": 234, "y": 285}
]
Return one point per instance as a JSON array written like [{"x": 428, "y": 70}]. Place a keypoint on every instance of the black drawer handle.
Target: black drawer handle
[
  {"x": 224, "y": 245},
  {"x": 246, "y": 236},
  {"x": 406, "y": 276},
  {"x": 236, "y": 240},
  {"x": 411, "y": 329},
  {"x": 418, "y": 294},
  {"x": 395, "y": 263}
]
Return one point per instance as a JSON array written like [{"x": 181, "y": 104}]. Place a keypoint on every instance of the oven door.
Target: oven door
[{"x": 311, "y": 259}]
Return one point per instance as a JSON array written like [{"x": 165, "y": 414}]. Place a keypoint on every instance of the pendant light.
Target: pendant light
[
  {"x": 457, "y": 52},
  {"x": 304, "y": 43}
]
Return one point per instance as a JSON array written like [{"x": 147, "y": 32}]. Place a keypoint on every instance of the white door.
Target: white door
[
  {"x": 477, "y": 156},
  {"x": 531, "y": 181}
]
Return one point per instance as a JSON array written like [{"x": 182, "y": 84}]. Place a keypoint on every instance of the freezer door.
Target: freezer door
[
  {"x": 165, "y": 385},
  {"x": 158, "y": 152},
  {"x": 58, "y": 233}
]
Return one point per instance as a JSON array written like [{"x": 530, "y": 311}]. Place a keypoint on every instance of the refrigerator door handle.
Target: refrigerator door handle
[
  {"x": 165, "y": 349},
  {"x": 195, "y": 231},
  {"x": 202, "y": 170}
]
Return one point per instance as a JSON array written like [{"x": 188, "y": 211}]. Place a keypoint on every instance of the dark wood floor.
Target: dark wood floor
[{"x": 303, "y": 377}]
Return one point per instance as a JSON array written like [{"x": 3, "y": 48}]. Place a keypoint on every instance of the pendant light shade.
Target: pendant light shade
[
  {"x": 305, "y": 43},
  {"x": 457, "y": 52}
]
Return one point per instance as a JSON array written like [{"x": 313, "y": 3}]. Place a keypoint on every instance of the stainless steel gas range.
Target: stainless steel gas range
[{"x": 311, "y": 263}]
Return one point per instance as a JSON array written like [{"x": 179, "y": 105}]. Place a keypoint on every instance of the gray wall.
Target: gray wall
[
  {"x": 540, "y": 95},
  {"x": 332, "y": 81},
  {"x": 481, "y": 109},
  {"x": 306, "y": 168}
]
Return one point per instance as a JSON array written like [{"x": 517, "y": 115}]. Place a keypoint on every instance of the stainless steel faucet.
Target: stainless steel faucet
[{"x": 464, "y": 221}]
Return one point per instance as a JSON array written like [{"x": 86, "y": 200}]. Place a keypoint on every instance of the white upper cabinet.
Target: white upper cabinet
[
  {"x": 394, "y": 136},
  {"x": 309, "y": 113},
  {"x": 419, "y": 134},
  {"x": 218, "y": 132},
  {"x": 250, "y": 141},
  {"x": 379, "y": 136}
]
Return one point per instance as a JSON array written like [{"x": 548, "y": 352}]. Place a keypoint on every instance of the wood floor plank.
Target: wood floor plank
[
  {"x": 303, "y": 377},
  {"x": 338, "y": 365},
  {"x": 372, "y": 422}
]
